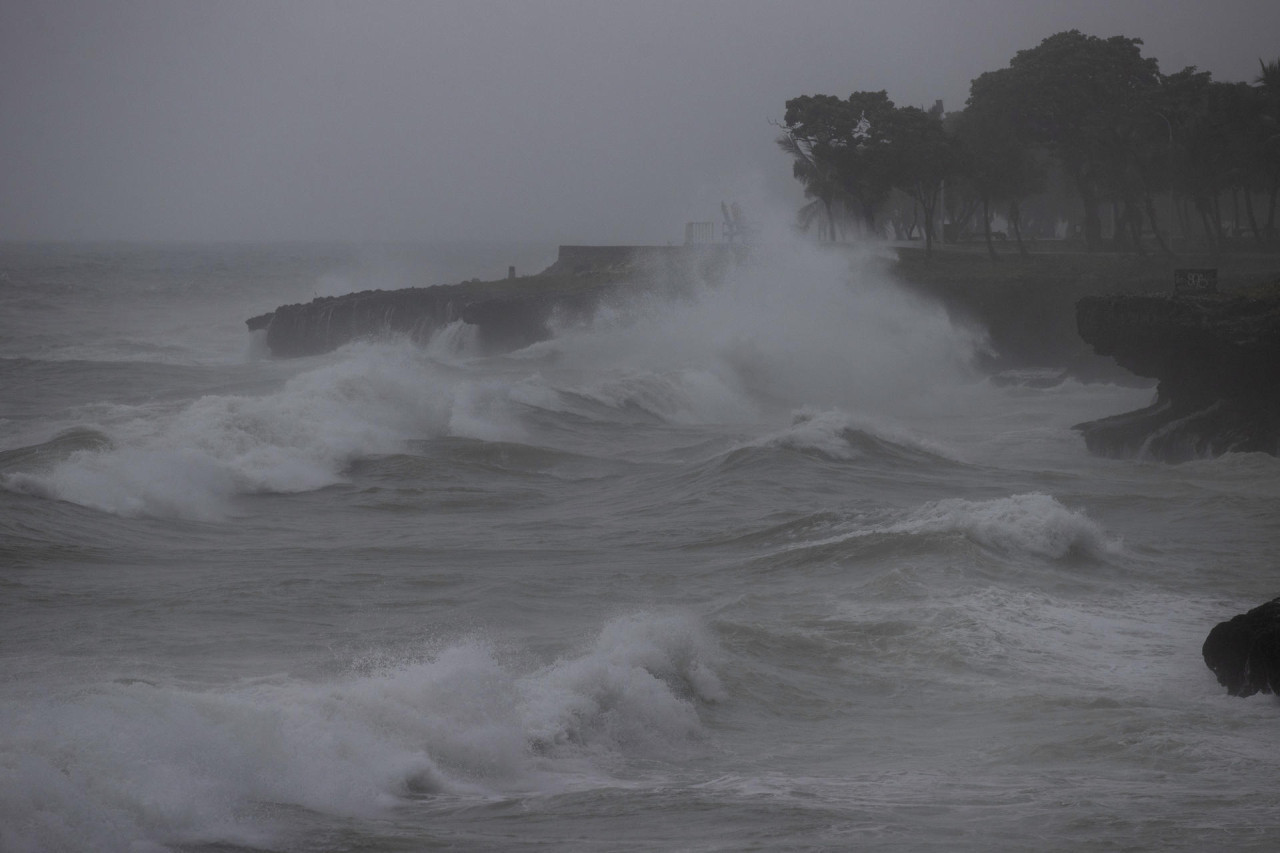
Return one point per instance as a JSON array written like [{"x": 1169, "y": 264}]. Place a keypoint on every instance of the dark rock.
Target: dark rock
[
  {"x": 509, "y": 314},
  {"x": 513, "y": 322},
  {"x": 329, "y": 322},
  {"x": 1217, "y": 359},
  {"x": 1244, "y": 652}
]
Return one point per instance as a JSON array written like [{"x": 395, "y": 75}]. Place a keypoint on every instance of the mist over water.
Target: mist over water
[{"x": 769, "y": 562}]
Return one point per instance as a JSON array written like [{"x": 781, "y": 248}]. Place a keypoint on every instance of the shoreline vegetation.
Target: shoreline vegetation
[{"x": 1079, "y": 137}]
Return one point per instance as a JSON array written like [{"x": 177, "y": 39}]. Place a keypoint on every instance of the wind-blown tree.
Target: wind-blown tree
[
  {"x": 840, "y": 151},
  {"x": 995, "y": 160},
  {"x": 816, "y": 126},
  {"x": 1138, "y": 167},
  {"x": 1183, "y": 103},
  {"x": 1209, "y": 124},
  {"x": 924, "y": 155},
  {"x": 868, "y": 165},
  {"x": 1268, "y": 138},
  {"x": 1070, "y": 94},
  {"x": 1242, "y": 110},
  {"x": 815, "y": 174}
]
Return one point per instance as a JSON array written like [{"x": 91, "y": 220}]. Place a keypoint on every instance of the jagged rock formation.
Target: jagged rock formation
[
  {"x": 504, "y": 322},
  {"x": 1244, "y": 652},
  {"x": 507, "y": 314},
  {"x": 1217, "y": 357}
]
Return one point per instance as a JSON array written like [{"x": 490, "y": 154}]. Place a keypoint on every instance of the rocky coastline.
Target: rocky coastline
[
  {"x": 1215, "y": 356},
  {"x": 1217, "y": 359},
  {"x": 508, "y": 314}
]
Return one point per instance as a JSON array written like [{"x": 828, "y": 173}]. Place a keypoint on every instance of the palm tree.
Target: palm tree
[
  {"x": 820, "y": 184},
  {"x": 1269, "y": 84}
]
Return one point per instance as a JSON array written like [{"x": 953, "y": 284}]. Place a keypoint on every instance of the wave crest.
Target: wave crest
[
  {"x": 210, "y": 766},
  {"x": 1031, "y": 524}
]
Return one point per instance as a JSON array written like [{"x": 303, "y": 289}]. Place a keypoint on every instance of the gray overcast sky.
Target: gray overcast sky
[{"x": 539, "y": 120}]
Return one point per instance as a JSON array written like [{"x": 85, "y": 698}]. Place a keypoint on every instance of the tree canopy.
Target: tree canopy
[{"x": 1092, "y": 110}]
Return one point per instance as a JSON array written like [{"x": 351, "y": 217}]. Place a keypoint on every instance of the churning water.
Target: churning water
[{"x": 766, "y": 566}]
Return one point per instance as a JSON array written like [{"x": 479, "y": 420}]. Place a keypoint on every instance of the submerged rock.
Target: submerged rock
[
  {"x": 1244, "y": 652},
  {"x": 1217, "y": 359}
]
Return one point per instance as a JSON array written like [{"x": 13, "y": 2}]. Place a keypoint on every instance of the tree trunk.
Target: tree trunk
[
  {"x": 1119, "y": 227},
  {"x": 1216, "y": 210},
  {"x": 1092, "y": 222},
  {"x": 961, "y": 222},
  {"x": 986, "y": 227},
  {"x": 1253, "y": 219},
  {"x": 1210, "y": 233},
  {"x": 869, "y": 218},
  {"x": 1133, "y": 222},
  {"x": 1015, "y": 219},
  {"x": 928, "y": 228},
  {"x": 1184, "y": 219},
  {"x": 1150, "y": 204},
  {"x": 1271, "y": 206}
]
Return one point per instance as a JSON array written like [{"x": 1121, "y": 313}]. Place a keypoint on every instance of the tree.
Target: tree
[
  {"x": 867, "y": 165},
  {"x": 816, "y": 174},
  {"x": 1070, "y": 94},
  {"x": 995, "y": 158},
  {"x": 840, "y": 152},
  {"x": 1210, "y": 124},
  {"x": 815, "y": 127},
  {"x": 1268, "y": 127},
  {"x": 924, "y": 156}
]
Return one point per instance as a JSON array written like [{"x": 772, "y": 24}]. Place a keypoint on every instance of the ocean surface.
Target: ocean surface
[{"x": 765, "y": 566}]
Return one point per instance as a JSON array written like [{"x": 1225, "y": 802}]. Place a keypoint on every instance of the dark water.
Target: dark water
[{"x": 770, "y": 567}]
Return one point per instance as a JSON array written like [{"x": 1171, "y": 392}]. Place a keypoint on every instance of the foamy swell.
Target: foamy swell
[
  {"x": 1030, "y": 523},
  {"x": 1027, "y": 524},
  {"x": 191, "y": 462},
  {"x": 135, "y": 764},
  {"x": 840, "y": 435}
]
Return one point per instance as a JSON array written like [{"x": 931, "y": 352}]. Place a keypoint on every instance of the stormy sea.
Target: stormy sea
[{"x": 772, "y": 564}]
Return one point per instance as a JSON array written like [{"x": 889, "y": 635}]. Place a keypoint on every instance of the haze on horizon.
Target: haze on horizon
[{"x": 547, "y": 121}]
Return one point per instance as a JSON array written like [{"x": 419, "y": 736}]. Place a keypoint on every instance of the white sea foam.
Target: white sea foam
[
  {"x": 1029, "y": 523},
  {"x": 636, "y": 688},
  {"x": 833, "y": 433},
  {"x": 189, "y": 462},
  {"x": 185, "y": 766},
  {"x": 1033, "y": 523},
  {"x": 793, "y": 326}
]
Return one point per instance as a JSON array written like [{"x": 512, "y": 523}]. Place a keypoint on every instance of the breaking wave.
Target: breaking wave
[{"x": 212, "y": 766}]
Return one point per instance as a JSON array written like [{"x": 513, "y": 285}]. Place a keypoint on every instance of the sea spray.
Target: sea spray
[
  {"x": 192, "y": 766},
  {"x": 788, "y": 327},
  {"x": 189, "y": 461},
  {"x": 840, "y": 435},
  {"x": 1032, "y": 524}
]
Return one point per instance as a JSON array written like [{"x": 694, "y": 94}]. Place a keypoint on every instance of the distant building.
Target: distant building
[{"x": 699, "y": 232}]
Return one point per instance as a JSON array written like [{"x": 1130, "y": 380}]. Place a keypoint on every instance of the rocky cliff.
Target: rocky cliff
[
  {"x": 1217, "y": 359},
  {"x": 504, "y": 321},
  {"x": 508, "y": 314}
]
